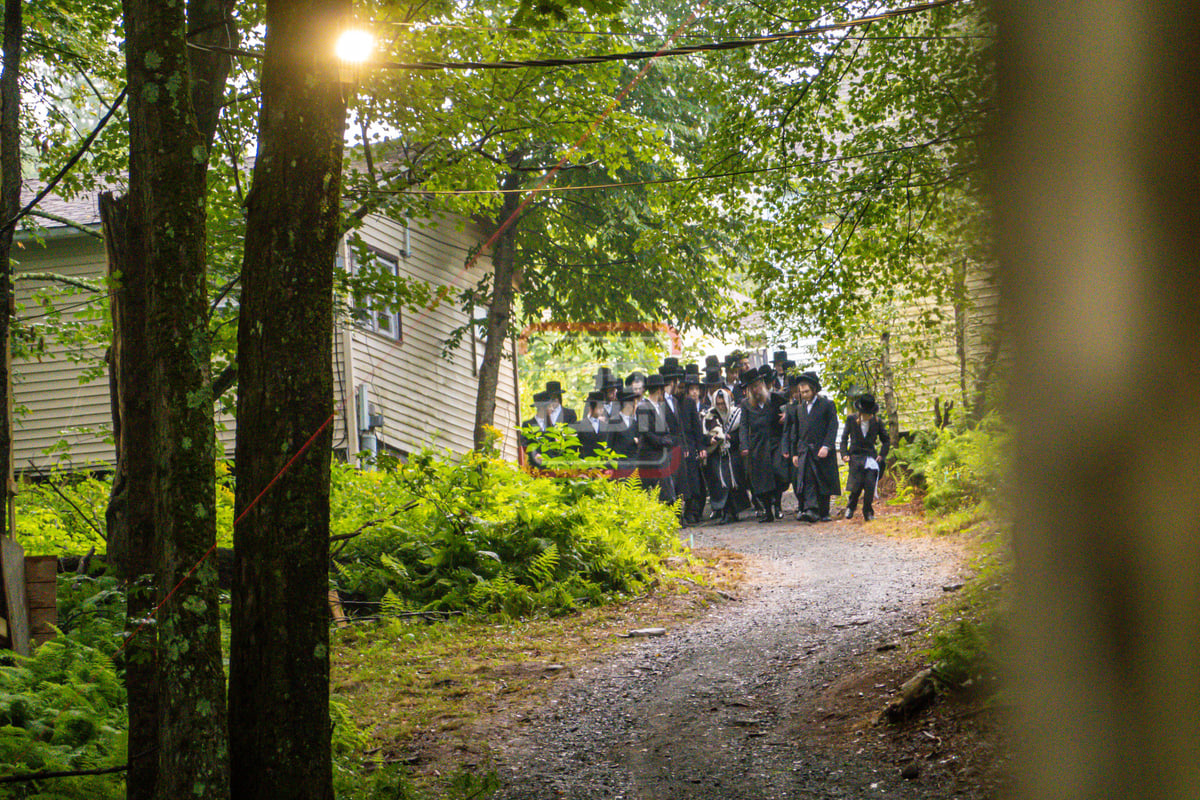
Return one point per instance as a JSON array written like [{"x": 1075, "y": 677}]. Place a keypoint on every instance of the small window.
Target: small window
[
  {"x": 478, "y": 334},
  {"x": 370, "y": 312}
]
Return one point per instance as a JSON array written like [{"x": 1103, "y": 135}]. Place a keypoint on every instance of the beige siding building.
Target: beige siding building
[
  {"x": 955, "y": 360},
  {"x": 386, "y": 364}
]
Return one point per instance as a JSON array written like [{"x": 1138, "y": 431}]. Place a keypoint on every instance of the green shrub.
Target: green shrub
[
  {"x": 475, "y": 533},
  {"x": 956, "y": 469},
  {"x": 62, "y": 522},
  {"x": 64, "y": 709}
]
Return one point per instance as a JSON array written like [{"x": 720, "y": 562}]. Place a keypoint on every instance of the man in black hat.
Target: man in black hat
[
  {"x": 733, "y": 372},
  {"x": 712, "y": 382},
  {"x": 655, "y": 442},
  {"x": 612, "y": 401},
  {"x": 779, "y": 365},
  {"x": 810, "y": 432},
  {"x": 758, "y": 437},
  {"x": 622, "y": 432},
  {"x": 559, "y": 414},
  {"x": 859, "y": 435},
  {"x": 530, "y": 448},
  {"x": 592, "y": 430},
  {"x": 672, "y": 375},
  {"x": 636, "y": 383},
  {"x": 694, "y": 442}
]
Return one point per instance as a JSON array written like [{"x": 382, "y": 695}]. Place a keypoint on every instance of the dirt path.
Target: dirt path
[{"x": 733, "y": 706}]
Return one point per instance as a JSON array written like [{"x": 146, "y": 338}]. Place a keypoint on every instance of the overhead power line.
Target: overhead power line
[
  {"x": 641, "y": 55},
  {"x": 683, "y": 179},
  {"x": 637, "y": 55}
]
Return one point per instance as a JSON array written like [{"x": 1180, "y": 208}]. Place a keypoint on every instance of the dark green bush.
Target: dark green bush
[
  {"x": 956, "y": 469},
  {"x": 64, "y": 709},
  {"x": 475, "y": 533}
]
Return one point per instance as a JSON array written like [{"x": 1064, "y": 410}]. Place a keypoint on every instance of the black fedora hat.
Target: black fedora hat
[
  {"x": 712, "y": 362},
  {"x": 655, "y": 381},
  {"x": 865, "y": 403},
  {"x": 779, "y": 356},
  {"x": 712, "y": 377},
  {"x": 810, "y": 378},
  {"x": 692, "y": 379},
  {"x": 541, "y": 397},
  {"x": 554, "y": 387},
  {"x": 748, "y": 377},
  {"x": 613, "y": 382},
  {"x": 596, "y": 397}
]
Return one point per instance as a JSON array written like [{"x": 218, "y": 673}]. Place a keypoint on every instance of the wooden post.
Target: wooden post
[
  {"x": 16, "y": 604},
  {"x": 41, "y": 592}
]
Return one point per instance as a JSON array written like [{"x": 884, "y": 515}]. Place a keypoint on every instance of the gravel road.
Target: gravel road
[{"x": 725, "y": 707}]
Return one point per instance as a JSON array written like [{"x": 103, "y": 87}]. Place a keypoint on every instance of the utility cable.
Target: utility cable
[
  {"x": 684, "y": 179},
  {"x": 637, "y": 55}
]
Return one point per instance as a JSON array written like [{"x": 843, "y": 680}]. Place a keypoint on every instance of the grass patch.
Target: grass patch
[
  {"x": 431, "y": 695},
  {"x": 963, "y": 636}
]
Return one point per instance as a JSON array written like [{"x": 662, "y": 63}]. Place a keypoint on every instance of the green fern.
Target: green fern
[{"x": 543, "y": 566}]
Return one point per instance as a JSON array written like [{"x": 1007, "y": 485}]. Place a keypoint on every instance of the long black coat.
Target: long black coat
[
  {"x": 859, "y": 447},
  {"x": 805, "y": 433},
  {"x": 675, "y": 426},
  {"x": 760, "y": 433},
  {"x": 654, "y": 438},
  {"x": 694, "y": 440},
  {"x": 567, "y": 417},
  {"x": 622, "y": 438},
  {"x": 589, "y": 440}
]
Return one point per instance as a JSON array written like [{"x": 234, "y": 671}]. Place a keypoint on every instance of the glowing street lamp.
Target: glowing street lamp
[
  {"x": 354, "y": 49},
  {"x": 354, "y": 46}
]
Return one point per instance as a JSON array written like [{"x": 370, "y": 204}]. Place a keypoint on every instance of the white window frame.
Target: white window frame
[{"x": 369, "y": 314}]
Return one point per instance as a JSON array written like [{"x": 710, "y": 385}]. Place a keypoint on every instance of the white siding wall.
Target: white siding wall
[
  {"x": 426, "y": 399},
  {"x": 403, "y": 374},
  {"x": 937, "y": 375},
  {"x": 59, "y": 406}
]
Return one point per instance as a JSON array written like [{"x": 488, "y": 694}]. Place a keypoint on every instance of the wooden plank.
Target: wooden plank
[
  {"x": 335, "y": 606},
  {"x": 12, "y": 566}
]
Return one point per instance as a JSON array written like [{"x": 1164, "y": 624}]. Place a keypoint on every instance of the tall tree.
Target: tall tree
[
  {"x": 10, "y": 202},
  {"x": 280, "y": 630},
  {"x": 168, "y": 160},
  {"x": 1095, "y": 172}
]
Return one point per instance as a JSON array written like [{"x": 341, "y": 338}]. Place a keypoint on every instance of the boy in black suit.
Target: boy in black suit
[{"x": 858, "y": 450}]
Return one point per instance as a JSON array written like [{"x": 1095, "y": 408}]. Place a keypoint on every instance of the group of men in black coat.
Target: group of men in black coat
[{"x": 734, "y": 439}]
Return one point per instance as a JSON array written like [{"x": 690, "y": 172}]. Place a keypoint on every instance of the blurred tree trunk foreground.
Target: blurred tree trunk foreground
[{"x": 1097, "y": 181}]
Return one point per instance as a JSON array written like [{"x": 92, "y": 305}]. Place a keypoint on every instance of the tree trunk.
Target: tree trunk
[
  {"x": 10, "y": 204},
  {"x": 504, "y": 273},
  {"x": 961, "y": 309},
  {"x": 889, "y": 388},
  {"x": 130, "y": 514},
  {"x": 167, "y": 165},
  {"x": 279, "y": 659},
  {"x": 1097, "y": 174}
]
